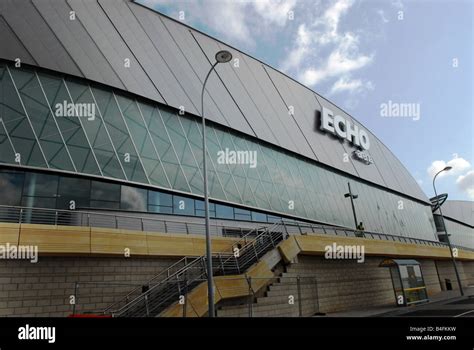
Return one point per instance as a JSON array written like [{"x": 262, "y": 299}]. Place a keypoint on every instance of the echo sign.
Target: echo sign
[{"x": 344, "y": 129}]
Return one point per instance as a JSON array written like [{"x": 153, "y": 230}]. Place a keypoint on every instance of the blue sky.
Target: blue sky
[{"x": 362, "y": 54}]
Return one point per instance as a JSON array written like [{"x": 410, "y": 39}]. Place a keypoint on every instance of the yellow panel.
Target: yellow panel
[
  {"x": 289, "y": 249},
  {"x": 56, "y": 239},
  {"x": 9, "y": 233},
  {"x": 315, "y": 244}
]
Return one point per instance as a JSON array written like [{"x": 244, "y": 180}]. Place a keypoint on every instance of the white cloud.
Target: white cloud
[
  {"x": 274, "y": 11},
  {"x": 382, "y": 15},
  {"x": 233, "y": 20},
  {"x": 466, "y": 183},
  {"x": 459, "y": 165},
  {"x": 345, "y": 84},
  {"x": 323, "y": 52}
]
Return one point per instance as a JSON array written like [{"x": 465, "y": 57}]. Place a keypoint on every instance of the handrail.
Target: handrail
[
  {"x": 177, "y": 274},
  {"x": 200, "y": 262},
  {"x": 145, "y": 284}
]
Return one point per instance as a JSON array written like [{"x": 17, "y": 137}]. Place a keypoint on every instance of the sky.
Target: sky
[{"x": 364, "y": 56}]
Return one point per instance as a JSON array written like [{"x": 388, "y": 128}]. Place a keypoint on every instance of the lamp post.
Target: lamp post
[
  {"x": 352, "y": 197},
  {"x": 445, "y": 231},
  {"x": 221, "y": 57}
]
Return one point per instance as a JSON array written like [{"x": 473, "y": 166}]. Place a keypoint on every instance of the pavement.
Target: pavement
[{"x": 444, "y": 304}]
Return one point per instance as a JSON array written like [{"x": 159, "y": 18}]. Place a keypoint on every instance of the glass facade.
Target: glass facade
[
  {"x": 41, "y": 190},
  {"x": 146, "y": 143}
]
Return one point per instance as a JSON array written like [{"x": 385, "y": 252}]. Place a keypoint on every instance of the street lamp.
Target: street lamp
[
  {"x": 445, "y": 231},
  {"x": 221, "y": 57},
  {"x": 352, "y": 197}
]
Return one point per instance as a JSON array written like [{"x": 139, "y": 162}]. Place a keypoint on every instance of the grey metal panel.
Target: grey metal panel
[
  {"x": 218, "y": 86},
  {"x": 300, "y": 127},
  {"x": 37, "y": 37},
  {"x": 173, "y": 57},
  {"x": 114, "y": 49},
  {"x": 279, "y": 111},
  {"x": 340, "y": 147},
  {"x": 293, "y": 129},
  {"x": 11, "y": 47},
  {"x": 269, "y": 102},
  {"x": 144, "y": 51},
  {"x": 368, "y": 172},
  {"x": 231, "y": 77},
  {"x": 459, "y": 210},
  {"x": 77, "y": 42},
  {"x": 201, "y": 66}
]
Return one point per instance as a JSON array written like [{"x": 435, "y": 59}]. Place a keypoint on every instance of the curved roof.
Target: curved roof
[{"x": 168, "y": 61}]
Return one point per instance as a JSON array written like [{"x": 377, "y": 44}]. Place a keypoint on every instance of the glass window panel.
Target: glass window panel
[
  {"x": 133, "y": 198},
  {"x": 11, "y": 185},
  {"x": 76, "y": 189},
  {"x": 194, "y": 136},
  {"x": 105, "y": 191},
  {"x": 71, "y": 128},
  {"x": 104, "y": 204},
  {"x": 42, "y": 185},
  {"x": 118, "y": 133},
  {"x": 38, "y": 202},
  {"x": 160, "y": 198},
  {"x": 199, "y": 205},
  {"x": 224, "y": 212},
  {"x": 183, "y": 151},
  {"x": 242, "y": 214},
  {"x": 163, "y": 145},
  {"x": 256, "y": 216},
  {"x": 17, "y": 126},
  {"x": 42, "y": 120},
  {"x": 160, "y": 209},
  {"x": 183, "y": 205}
]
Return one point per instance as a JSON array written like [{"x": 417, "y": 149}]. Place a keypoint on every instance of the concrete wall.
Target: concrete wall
[
  {"x": 446, "y": 271},
  {"x": 44, "y": 288}
]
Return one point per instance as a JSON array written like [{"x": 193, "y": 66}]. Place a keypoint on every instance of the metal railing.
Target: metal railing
[
  {"x": 279, "y": 296},
  {"x": 58, "y": 217},
  {"x": 162, "y": 294}
]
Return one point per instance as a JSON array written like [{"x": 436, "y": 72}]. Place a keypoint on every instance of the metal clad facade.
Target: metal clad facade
[{"x": 168, "y": 62}]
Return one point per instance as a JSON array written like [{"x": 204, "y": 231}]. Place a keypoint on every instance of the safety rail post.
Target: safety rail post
[
  {"x": 141, "y": 223},
  {"x": 271, "y": 238},
  {"x": 166, "y": 227},
  {"x": 56, "y": 218},
  {"x": 185, "y": 301},
  {"x": 76, "y": 286},
  {"x": 237, "y": 264},
  {"x": 255, "y": 250},
  {"x": 146, "y": 304},
  {"x": 284, "y": 226},
  {"x": 221, "y": 263},
  {"x": 187, "y": 228},
  {"x": 250, "y": 299},
  {"x": 21, "y": 216},
  {"x": 300, "y": 306}
]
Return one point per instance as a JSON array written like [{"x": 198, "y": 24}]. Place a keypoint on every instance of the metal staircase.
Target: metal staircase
[{"x": 167, "y": 287}]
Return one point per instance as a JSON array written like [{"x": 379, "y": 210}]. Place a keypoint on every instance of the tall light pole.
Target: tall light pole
[
  {"x": 446, "y": 231},
  {"x": 352, "y": 196},
  {"x": 221, "y": 57}
]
